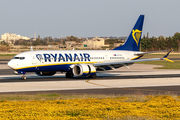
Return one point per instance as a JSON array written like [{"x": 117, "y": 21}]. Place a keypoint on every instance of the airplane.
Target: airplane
[{"x": 83, "y": 62}]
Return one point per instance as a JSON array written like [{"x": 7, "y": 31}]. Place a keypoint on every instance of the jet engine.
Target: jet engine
[
  {"x": 84, "y": 70},
  {"x": 46, "y": 73}
]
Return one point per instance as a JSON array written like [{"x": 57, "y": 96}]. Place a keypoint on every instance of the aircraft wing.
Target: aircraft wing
[{"x": 124, "y": 63}]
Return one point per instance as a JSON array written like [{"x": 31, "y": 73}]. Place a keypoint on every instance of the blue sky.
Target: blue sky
[{"x": 88, "y": 18}]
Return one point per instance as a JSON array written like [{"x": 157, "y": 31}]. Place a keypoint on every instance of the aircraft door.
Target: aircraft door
[
  {"x": 17, "y": 62},
  {"x": 34, "y": 60},
  {"x": 106, "y": 57}
]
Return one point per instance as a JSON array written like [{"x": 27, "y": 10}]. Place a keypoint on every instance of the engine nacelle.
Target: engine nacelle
[
  {"x": 46, "y": 73},
  {"x": 84, "y": 70}
]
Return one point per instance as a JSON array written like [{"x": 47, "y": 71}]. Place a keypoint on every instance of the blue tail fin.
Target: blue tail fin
[{"x": 133, "y": 41}]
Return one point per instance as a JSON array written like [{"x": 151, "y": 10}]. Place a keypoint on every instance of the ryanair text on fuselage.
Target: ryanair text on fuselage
[{"x": 58, "y": 57}]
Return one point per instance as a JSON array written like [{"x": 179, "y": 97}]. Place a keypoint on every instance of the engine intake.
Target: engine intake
[
  {"x": 46, "y": 73},
  {"x": 83, "y": 70}
]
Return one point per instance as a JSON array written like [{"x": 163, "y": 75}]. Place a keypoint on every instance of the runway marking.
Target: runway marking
[{"x": 98, "y": 84}]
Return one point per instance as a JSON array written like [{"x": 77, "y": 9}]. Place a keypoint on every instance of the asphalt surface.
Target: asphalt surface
[
  {"x": 161, "y": 90},
  {"x": 107, "y": 91},
  {"x": 11, "y": 72}
]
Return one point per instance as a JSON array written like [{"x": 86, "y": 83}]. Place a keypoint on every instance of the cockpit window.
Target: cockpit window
[
  {"x": 20, "y": 58},
  {"x": 15, "y": 57}
]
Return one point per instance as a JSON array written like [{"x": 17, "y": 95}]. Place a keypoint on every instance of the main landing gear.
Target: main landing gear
[
  {"x": 23, "y": 77},
  {"x": 69, "y": 74},
  {"x": 93, "y": 76}
]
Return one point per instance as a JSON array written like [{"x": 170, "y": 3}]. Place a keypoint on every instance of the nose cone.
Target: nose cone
[{"x": 12, "y": 64}]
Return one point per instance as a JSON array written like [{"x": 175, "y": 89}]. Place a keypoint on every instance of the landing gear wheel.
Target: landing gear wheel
[
  {"x": 69, "y": 75},
  {"x": 23, "y": 77},
  {"x": 93, "y": 76}
]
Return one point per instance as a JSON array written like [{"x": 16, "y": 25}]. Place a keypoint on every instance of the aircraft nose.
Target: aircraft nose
[{"x": 11, "y": 64}]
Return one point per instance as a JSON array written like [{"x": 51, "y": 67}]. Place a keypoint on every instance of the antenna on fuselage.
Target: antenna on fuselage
[
  {"x": 31, "y": 48},
  {"x": 31, "y": 41}
]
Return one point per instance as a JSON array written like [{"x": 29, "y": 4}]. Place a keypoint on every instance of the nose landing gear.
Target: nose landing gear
[{"x": 22, "y": 73}]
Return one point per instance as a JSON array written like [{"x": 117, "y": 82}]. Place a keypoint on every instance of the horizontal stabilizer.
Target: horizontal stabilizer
[{"x": 168, "y": 60}]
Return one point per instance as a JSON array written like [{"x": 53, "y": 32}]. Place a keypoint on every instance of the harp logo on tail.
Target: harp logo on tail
[{"x": 136, "y": 35}]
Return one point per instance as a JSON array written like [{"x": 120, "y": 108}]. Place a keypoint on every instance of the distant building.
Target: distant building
[
  {"x": 1, "y": 40},
  {"x": 11, "y": 36},
  {"x": 70, "y": 44},
  {"x": 94, "y": 43}
]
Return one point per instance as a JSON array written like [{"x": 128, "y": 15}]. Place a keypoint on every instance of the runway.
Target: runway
[{"x": 139, "y": 79}]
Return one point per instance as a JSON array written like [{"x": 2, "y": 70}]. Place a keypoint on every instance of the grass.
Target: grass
[
  {"x": 57, "y": 96},
  {"x": 160, "y": 56},
  {"x": 165, "y": 64},
  {"x": 46, "y": 96},
  {"x": 6, "y": 56}
]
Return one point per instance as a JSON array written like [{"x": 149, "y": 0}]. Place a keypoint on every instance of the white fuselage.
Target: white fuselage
[{"x": 49, "y": 59}]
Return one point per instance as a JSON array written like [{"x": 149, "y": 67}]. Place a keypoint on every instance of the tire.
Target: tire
[
  {"x": 69, "y": 75},
  {"x": 93, "y": 76},
  {"x": 23, "y": 78}
]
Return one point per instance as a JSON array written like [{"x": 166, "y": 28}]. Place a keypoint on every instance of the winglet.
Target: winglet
[{"x": 165, "y": 56}]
